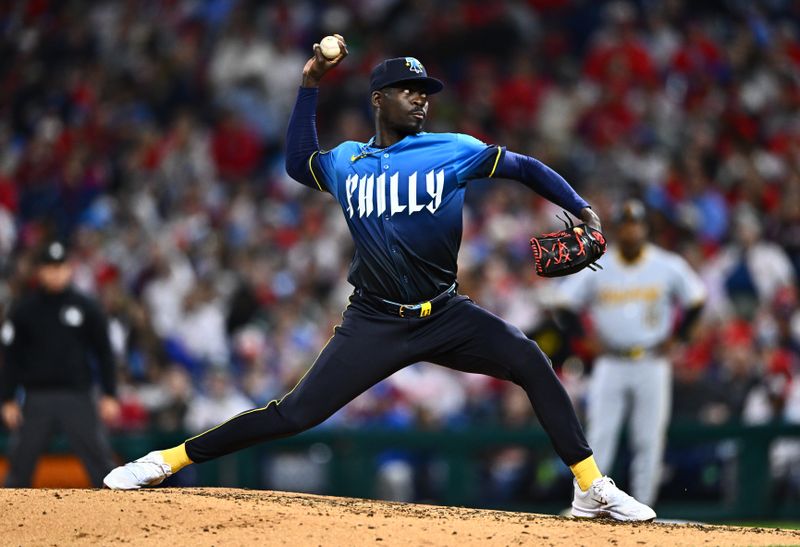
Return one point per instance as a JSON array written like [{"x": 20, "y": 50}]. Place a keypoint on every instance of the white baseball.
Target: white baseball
[{"x": 330, "y": 47}]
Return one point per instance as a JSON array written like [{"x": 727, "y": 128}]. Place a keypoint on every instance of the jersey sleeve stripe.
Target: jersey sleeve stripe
[
  {"x": 496, "y": 161},
  {"x": 310, "y": 168}
]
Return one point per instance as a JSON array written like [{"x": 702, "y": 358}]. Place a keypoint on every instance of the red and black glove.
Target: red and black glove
[{"x": 568, "y": 251}]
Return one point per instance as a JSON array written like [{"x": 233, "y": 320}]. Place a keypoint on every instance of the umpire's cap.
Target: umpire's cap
[
  {"x": 402, "y": 69},
  {"x": 53, "y": 252},
  {"x": 632, "y": 210}
]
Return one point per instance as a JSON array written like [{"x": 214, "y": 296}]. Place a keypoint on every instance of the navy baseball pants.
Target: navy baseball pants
[{"x": 371, "y": 344}]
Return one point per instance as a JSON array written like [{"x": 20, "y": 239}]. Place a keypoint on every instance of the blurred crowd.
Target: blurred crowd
[{"x": 149, "y": 135}]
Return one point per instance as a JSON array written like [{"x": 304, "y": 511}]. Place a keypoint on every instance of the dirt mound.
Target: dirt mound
[{"x": 210, "y": 516}]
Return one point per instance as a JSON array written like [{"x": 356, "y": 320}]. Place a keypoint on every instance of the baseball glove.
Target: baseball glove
[{"x": 568, "y": 251}]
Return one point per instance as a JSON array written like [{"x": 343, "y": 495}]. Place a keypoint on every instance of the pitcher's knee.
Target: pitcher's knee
[
  {"x": 528, "y": 363},
  {"x": 297, "y": 419},
  {"x": 530, "y": 355},
  {"x": 540, "y": 356}
]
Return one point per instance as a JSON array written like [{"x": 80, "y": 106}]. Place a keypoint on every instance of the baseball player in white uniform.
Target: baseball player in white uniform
[{"x": 632, "y": 304}]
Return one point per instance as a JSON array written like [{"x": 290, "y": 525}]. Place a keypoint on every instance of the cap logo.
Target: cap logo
[{"x": 414, "y": 65}]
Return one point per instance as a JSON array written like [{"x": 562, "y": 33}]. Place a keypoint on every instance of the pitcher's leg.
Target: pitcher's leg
[
  {"x": 366, "y": 348},
  {"x": 477, "y": 341},
  {"x": 648, "y": 428},
  {"x": 606, "y": 410},
  {"x": 345, "y": 368}
]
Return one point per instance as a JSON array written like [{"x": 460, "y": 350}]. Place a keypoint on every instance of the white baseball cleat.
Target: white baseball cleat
[
  {"x": 148, "y": 470},
  {"x": 604, "y": 499}
]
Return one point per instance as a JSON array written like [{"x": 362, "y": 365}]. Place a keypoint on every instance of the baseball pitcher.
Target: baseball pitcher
[{"x": 401, "y": 194}]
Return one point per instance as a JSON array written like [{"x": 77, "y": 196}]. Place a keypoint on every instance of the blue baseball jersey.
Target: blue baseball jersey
[{"x": 403, "y": 205}]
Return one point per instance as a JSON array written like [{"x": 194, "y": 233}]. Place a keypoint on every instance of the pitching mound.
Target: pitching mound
[{"x": 209, "y": 516}]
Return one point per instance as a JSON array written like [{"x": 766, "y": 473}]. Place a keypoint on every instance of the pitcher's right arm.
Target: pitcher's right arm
[{"x": 302, "y": 144}]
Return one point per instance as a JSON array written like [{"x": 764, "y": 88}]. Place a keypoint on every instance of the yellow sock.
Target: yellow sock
[
  {"x": 176, "y": 457},
  {"x": 586, "y": 472}
]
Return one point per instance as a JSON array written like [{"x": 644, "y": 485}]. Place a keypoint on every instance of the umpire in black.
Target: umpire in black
[{"x": 52, "y": 340}]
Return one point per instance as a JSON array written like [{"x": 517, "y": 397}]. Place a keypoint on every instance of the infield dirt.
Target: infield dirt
[{"x": 211, "y": 516}]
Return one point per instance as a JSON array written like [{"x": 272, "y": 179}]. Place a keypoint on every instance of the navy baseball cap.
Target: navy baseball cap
[
  {"x": 54, "y": 252},
  {"x": 395, "y": 71}
]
